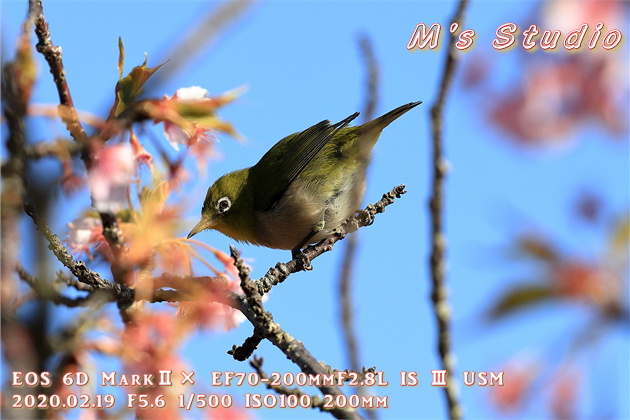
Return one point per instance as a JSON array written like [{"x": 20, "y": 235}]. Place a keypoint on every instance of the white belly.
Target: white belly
[{"x": 301, "y": 210}]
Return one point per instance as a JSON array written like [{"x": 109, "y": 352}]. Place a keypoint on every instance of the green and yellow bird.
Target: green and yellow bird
[{"x": 301, "y": 189}]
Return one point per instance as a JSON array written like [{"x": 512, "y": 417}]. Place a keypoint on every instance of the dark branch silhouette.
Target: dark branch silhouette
[{"x": 439, "y": 295}]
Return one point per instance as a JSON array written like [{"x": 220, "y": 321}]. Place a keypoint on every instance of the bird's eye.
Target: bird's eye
[{"x": 223, "y": 204}]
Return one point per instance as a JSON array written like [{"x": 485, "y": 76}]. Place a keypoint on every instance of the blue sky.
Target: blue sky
[{"x": 301, "y": 64}]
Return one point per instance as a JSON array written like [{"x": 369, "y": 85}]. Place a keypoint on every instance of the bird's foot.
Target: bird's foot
[
  {"x": 298, "y": 254},
  {"x": 366, "y": 217}
]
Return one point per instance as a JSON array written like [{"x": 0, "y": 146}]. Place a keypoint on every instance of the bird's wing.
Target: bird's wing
[{"x": 282, "y": 164}]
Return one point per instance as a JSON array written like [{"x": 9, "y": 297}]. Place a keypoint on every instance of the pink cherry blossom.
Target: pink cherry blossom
[
  {"x": 567, "y": 16},
  {"x": 111, "y": 171},
  {"x": 174, "y": 134},
  {"x": 85, "y": 233}
]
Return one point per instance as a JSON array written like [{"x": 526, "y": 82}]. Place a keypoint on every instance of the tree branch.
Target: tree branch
[
  {"x": 202, "y": 34},
  {"x": 291, "y": 347},
  {"x": 52, "y": 54},
  {"x": 439, "y": 294},
  {"x": 346, "y": 307},
  {"x": 14, "y": 98}
]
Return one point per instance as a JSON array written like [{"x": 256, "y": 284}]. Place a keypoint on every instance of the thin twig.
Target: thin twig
[
  {"x": 72, "y": 282},
  {"x": 281, "y": 271},
  {"x": 193, "y": 45},
  {"x": 346, "y": 310},
  {"x": 44, "y": 291},
  {"x": 58, "y": 148},
  {"x": 373, "y": 74},
  {"x": 346, "y": 307},
  {"x": 316, "y": 401},
  {"x": 439, "y": 294},
  {"x": 244, "y": 352}
]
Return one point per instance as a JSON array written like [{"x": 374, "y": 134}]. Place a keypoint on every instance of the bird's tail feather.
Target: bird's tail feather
[{"x": 386, "y": 119}]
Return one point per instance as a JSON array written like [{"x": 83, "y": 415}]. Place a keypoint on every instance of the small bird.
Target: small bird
[{"x": 302, "y": 189}]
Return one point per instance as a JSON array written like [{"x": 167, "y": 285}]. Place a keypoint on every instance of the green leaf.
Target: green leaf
[
  {"x": 129, "y": 88},
  {"x": 519, "y": 298},
  {"x": 121, "y": 57}
]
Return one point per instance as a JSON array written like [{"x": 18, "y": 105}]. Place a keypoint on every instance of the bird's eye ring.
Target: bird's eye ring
[{"x": 223, "y": 205}]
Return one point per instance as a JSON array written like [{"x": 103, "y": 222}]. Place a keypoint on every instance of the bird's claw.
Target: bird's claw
[
  {"x": 298, "y": 254},
  {"x": 366, "y": 216}
]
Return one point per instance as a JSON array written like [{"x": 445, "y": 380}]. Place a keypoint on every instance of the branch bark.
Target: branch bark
[{"x": 439, "y": 294}]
